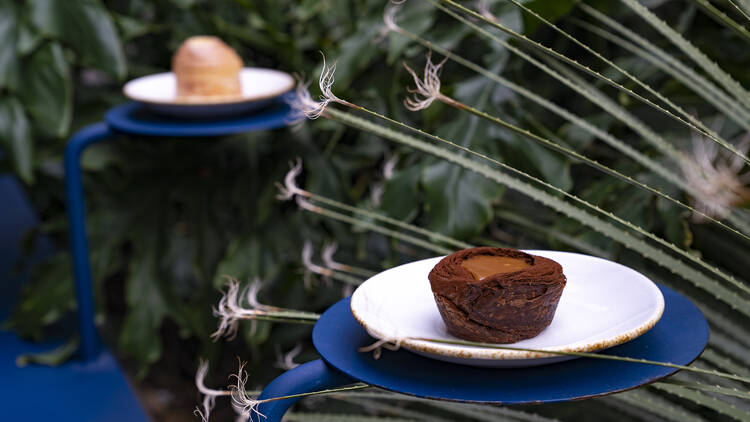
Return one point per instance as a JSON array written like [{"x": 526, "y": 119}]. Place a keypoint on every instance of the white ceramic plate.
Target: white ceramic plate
[
  {"x": 603, "y": 304},
  {"x": 259, "y": 86}
]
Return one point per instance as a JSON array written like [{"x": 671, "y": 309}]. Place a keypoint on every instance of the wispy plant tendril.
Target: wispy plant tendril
[
  {"x": 716, "y": 177},
  {"x": 209, "y": 394},
  {"x": 428, "y": 88}
]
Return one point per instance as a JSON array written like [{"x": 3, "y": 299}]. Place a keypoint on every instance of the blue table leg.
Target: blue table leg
[
  {"x": 76, "y": 216},
  {"x": 311, "y": 376}
]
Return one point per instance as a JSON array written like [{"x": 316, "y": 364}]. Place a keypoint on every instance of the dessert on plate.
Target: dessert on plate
[
  {"x": 496, "y": 295},
  {"x": 207, "y": 69}
]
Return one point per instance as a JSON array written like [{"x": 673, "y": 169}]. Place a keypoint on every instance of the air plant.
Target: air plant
[
  {"x": 242, "y": 304},
  {"x": 717, "y": 178}
]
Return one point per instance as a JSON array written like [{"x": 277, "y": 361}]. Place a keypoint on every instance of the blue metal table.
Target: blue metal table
[
  {"x": 93, "y": 387},
  {"x": 679, "y": 337}
]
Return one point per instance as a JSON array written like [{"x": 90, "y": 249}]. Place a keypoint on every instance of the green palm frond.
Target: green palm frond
[
  {"x": 686, "y": 119},
  {"x": 656, "y": 255},
  {"x": 691, "y": 79},
  {"x": 710, "y": 67},
  {"x": 722, "y": 18},
  {"x": 576, "y": 120},
  {"x": 704, "y": 400}
]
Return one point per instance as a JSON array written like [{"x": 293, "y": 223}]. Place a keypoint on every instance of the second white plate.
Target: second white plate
[
  {"x": 603, "y": 304},
  {"x": 259, "y": 86}
]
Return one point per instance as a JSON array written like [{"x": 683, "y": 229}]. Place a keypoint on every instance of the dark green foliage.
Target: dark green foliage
[{"x": 169, "y": 219}]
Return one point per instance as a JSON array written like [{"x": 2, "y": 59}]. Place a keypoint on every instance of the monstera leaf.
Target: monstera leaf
[
  {"x": 140, "y": 337},
  {"x": 458, "y": 201},
  {"x": 86, "y": 27},
  {"x": 8, "y": 33},
  {"x": 15, "y": 136},
  {"x": 47, "y": 94}
]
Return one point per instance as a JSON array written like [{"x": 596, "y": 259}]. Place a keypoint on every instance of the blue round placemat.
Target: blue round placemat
[
  {"x": 679, "y": 337},
  {"x": 133, "y": 118}
]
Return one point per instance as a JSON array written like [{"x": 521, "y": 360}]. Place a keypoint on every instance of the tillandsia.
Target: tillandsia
[
  {"x": 717, "y": 178},
  {"x": 245, "y": 402},
  {"x": 209, "y": 394},
  {"x": 303, "y": 103},
  {"x": 232, "y": 309},
  {"x": 428, "y": 87}
]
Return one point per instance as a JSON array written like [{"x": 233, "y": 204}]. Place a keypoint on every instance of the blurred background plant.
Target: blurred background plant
[{"x": 169, "y": 219}]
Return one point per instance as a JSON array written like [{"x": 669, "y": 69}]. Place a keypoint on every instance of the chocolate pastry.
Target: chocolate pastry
[{"x": 496, "y": 295}]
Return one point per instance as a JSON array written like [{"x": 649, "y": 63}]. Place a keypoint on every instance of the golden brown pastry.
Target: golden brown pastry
[{"x": 206, "y": 69}]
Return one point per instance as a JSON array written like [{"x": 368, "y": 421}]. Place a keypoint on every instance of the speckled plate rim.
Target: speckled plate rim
[
  {"x": 478, "y": 353},
  {"x": 129, "y": 92}
]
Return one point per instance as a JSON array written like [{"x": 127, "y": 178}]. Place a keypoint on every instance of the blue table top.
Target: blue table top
[
  {"x": 679, "y": 337},
  {"x": 132, "y": 118}
]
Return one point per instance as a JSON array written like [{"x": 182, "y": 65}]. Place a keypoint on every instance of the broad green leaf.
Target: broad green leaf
[
  {"x": 458, "y": 202},
  {"x": 54, "y": 357},
  {"x": 131, "y": 28},
  {"x": 8, "y": 55},
  {"x": 356, "y": 51},
  {"x": 47, "y": 93},
  {"x": 246, "y": 258},
  {"x": 46, "y": 299},
  {"x": 15, "y": 137},
  {"x": 140, "y": 336},
  {"x": 415, "y": 17},
  {"x": 400, "y": 199},
  {"x": 86, "y": 27},
  {"x": 523, "y": 153},
  {"x": 28, "y": 38}
]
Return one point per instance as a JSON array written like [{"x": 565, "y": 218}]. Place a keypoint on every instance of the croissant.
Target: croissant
[{"x": 206, "y": 68}]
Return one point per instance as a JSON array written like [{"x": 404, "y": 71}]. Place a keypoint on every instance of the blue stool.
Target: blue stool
[
  {"x": 679, "y": 337},
  {"x": 94, "y": 390},
  {"x": 91, "y": 388}
]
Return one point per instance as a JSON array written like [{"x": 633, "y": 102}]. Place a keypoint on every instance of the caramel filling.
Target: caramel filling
[{"x": 482, "y": 266}]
